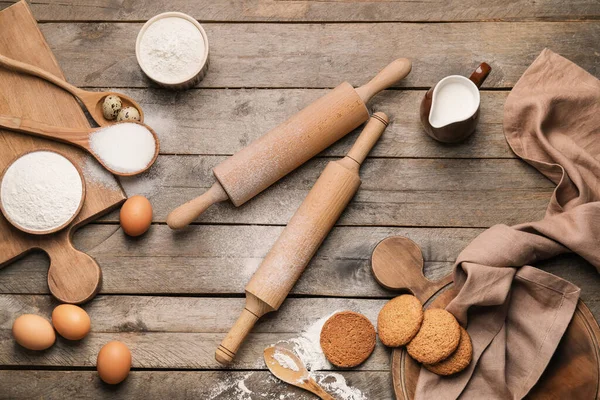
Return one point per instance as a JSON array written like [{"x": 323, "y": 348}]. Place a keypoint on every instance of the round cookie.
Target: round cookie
[
  {"x": 399, "y": 320},
  {"x": 347, "y": 339},
  {"x": 437, "y": 339},
  {"x": 459, "y": 360}
]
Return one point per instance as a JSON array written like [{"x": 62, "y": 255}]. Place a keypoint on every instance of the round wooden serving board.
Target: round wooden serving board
[{"x": 573, "y": 372}]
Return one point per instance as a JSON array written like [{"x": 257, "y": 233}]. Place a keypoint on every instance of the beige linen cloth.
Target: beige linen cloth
[{"x": 516, "y": 314}]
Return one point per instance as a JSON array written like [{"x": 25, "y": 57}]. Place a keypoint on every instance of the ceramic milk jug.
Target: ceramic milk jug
[{"x": 450, "y": 109}]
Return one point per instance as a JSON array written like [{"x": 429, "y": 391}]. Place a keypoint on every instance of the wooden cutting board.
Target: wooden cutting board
[
  {"x": 73, "y": 276},
  {"x": 573, "y": 372}
]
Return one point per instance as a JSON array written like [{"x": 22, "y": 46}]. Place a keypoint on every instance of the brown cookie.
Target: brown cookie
[
  {"x": 347, "y": 339},
  {"x": 458, "y": 360},
  {"x": 437, "y": 339},
  {"x": 399, "y": 320}
]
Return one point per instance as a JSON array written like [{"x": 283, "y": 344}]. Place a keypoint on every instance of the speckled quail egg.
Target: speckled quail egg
[
  {"x": 111, "y": 107},
  {"x": 128, "y": 114}
]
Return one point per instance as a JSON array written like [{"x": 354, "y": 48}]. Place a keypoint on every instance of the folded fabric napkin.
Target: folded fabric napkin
[{"x": 516, "y": 314}]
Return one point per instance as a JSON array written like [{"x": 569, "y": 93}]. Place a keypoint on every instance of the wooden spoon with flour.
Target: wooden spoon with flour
[{"x": 124, "y": 149}]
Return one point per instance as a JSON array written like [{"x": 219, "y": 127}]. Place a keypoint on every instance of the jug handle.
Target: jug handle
[{"x": 478, "y": 76}]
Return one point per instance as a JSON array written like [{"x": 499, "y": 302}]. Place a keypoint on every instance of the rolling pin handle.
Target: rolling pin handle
[
  {"x": 396, "y": 70},
  {"x": 230, "y": 345},
  {"x": 368, "y": 137},
  {"x": 253, "y": 310},
  {"x": 185, "y": 214}
]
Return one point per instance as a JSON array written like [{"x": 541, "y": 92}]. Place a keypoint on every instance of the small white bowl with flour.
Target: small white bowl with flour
[
  {"x": 172, "y": 50},
  {"x": 41, "y": 192}
]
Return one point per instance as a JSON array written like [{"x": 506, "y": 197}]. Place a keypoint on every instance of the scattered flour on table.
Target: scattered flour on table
[
  {"x": 41, "y": 191},
  {"x": 145, "y": 184},
  {"x": 307, "y": 346},
  {"x": 96, "y": 174},
  {"x": 172, "y": 50},
  {"x": 124, "y": 147},
  {"x": 336, "y": 385}
]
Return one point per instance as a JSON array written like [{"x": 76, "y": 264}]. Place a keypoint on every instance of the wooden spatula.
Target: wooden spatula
[
  {"x": 79, "y": 137},
  {"x": 91, "y": 100}
]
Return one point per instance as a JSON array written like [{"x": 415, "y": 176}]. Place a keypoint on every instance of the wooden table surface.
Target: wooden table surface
[{"x": 172, "y": 296}]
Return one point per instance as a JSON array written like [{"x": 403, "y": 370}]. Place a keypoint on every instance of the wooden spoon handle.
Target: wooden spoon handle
[
  {"x": 396, "y": 70},
  {"x": 186, "y": 213},
  {"x": 315, "y": 388},
  {"x": 368, "y": 137},
  {"x": 75, "y": 136},
  {"x": 19, "y": 66}
]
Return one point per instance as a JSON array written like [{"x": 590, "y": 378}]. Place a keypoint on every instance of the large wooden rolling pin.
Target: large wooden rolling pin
[
  {"x": 301, "y": 238},
  {"x": 289, "y": 145}
]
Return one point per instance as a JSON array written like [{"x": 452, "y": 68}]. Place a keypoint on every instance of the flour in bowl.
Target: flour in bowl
[
  {"x": 126, "y": 147},
  {"x": 172, "y": 50},
  {"x": 41, "y": 191}
]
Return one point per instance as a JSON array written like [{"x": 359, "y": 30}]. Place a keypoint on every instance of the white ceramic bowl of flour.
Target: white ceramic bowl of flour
[
  {"x": 172, "y": 50},
  {"x": 41, "y": 192}
]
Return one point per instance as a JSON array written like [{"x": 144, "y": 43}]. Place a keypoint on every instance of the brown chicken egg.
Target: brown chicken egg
[
  {"x": 71, "y": 322},
  {"x": 114, "y": 362},
  {"x": 136, "y": 215},
  {"x": 33, "y": 332}
]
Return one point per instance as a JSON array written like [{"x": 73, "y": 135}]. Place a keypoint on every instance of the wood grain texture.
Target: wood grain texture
[
  {"x": 324, "y": 55},
  {"x": 199, "y": 262},
  {"x": 160, "y": 385},
  {"x": 145, "y": 314},
  {"x": 403, "y": 192},
  {"x": 161, "y": 350},
  {"x": 73, "y": 276},
  {"x": 223, "y": 121},
  {"x": 315, "y": 10}
]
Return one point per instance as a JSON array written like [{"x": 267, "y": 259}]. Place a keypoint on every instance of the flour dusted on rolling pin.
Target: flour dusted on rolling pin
[
  {"x": 172, "y": 50},
  {"x": 41, "y": 191},
  {"x": 125, "y": 147}
]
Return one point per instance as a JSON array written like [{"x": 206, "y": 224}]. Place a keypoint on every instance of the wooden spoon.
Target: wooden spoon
[
  {"x": 79, "y": 137},
  {"x": 299, "y": 378},
  {"x": 91, "y": 100}
]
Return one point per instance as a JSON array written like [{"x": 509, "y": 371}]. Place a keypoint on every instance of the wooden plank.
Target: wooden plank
[
  {"x": 177, "y": 333},
  {"x": 160, "y": 385},
  {"x": 219, "y": 260},
  {"x": 145, "y": 314},
  {"x": 402, "y": 192},
  {"x": 161, "y": 350},
  {"x": 322, "y": 55},
  {"x": 321, "y": 11},
  {"x": 221, "y": 122}
]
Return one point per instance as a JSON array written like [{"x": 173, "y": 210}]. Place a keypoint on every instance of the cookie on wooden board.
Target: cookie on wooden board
[
  {"x": 437, "y": 339},
  {"x": 347, "y": 339},
  {"x": 399, "y": 320},
  {"x": 459, "y": 360}
]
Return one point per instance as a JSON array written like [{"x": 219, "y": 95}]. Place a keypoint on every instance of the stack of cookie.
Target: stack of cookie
[{"x": 432, "y": 337}]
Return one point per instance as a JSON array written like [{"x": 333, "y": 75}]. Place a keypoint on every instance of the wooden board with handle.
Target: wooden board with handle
[
  {"x": 73, "y": 276},
  {"x": 573, "y": 371}
]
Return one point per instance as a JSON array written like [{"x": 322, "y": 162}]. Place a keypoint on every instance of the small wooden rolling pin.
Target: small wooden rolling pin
[
  {"x": 289, "y": 145},
  {"x": 301, "y": 238}
]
